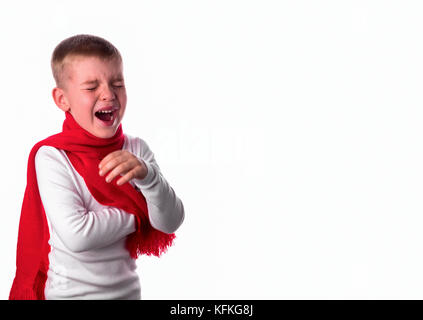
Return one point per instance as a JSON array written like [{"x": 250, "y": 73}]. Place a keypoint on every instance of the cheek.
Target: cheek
[
  {"x": 79, "y": 97},
  {"x": 84, "y": 105},
  {"x": 87, "y": 100},
  {"x": 122, "y": 98},
  {"x": 122, "y": 94}
]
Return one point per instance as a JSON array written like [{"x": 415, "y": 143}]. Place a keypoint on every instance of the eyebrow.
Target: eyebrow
[
  {"x": 96, "y": 81},
  {"x": 89, "y": 82}
]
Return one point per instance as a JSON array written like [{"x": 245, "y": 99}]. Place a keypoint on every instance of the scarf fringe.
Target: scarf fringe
[{"x": 149, "y": 241}]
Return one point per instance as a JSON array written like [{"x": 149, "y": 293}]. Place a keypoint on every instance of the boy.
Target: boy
[{"x": 95, "y": 198}]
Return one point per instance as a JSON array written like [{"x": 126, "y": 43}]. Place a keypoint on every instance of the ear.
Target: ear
[{"x": 60, "y": 99}]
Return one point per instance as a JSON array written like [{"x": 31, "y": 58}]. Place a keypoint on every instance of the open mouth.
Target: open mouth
[{"x": 107, "y": 116}]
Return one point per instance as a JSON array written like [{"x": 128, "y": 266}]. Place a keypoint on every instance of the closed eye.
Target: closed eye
[{"x": 92, "y": 89}]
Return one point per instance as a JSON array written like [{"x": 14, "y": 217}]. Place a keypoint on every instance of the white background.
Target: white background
[{"x": 291, "y": 130}]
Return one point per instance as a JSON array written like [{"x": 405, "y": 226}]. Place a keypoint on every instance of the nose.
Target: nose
[{"x": 107, "y": 94}]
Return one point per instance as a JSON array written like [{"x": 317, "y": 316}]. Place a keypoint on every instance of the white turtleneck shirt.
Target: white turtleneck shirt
[{"x": 88, "y": 258}]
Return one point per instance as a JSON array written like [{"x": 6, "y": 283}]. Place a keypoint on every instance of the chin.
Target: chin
[
  {"x": 104, "y": 135},
  {"x": 106, "y": 132}
]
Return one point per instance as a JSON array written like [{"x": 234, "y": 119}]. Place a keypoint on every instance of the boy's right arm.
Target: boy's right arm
[{"x": 78, "y": 229}]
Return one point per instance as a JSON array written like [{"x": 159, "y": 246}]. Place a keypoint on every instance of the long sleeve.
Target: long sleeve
[
  {"x": 166, "y": 211},
  {"x": 78, "y": 228}
]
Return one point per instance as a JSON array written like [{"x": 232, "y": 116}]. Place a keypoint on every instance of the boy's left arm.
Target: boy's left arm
[{"x": 165, "y": 209}]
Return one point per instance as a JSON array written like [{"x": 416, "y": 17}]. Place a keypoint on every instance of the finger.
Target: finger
[
  {"x": 111, "y": 163},
  {"x": 121, "y": 168},
  {"x": 127, "y": 177},
  {"x": 109, "y": 157}
]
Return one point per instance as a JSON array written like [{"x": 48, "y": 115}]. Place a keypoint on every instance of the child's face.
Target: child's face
[{"x": 93, "y": 85}]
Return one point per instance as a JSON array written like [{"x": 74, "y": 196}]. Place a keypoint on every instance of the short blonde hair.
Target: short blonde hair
[{"x": 80, "y": 45}]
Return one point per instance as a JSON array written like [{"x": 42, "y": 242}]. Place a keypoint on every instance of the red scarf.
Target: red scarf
[{"x": 85, "y": 151}]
